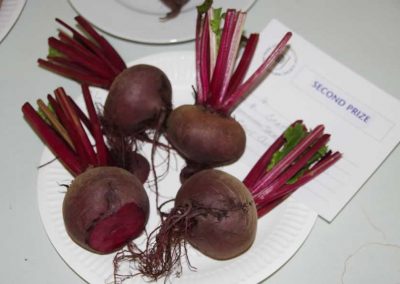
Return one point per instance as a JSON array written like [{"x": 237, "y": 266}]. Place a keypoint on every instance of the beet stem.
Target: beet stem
[
  {"x": 102, "y": 151},
  {"x": 92, "y": 47},
  {"x": 202, "y": 52},
  {"x": 75, "y": 74},
  {"x": 222, "y": 58},
  {"x": 55, "y": 143},
  {"x": 82, "y": 143},
  {"x": 244, "y": 63},
  {"x": 52, "y": 117},
  {"x": 231, "y": 56},
  {"x": 288, "y": 159},
  {"x": 230, "y": 104},
  {"x": 103, "y": 43},
  {"x": 259, "y": 169},
  {"x": 74, "y": 53},
  {"x": 273, "y": 188}
]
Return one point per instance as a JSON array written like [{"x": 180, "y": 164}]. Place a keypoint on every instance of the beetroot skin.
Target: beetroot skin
[
  {"x": 104, "y": 208},
  {"x": 228, "y": 226},
  {"x": 205, "y": 137},
  {"x": 140, "y": 98}
]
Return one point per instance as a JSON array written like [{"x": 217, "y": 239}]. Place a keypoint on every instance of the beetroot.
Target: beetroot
[
  {"x": 104, "y": 208},
  {"x": 214, "y": 138},
  {"x": 223, "y": 216},
  {"x": 140, "y": 98},
  {"x": 195, "y": 132}
]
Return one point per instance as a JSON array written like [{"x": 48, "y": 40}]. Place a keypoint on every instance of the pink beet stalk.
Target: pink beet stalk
[
  {"x": 81, "y": 155},
  {"x": 55, "y": 143},
  {"x": 297, "y": 166},
  {"x": 102, "y": 151},
  {"x": 88, "y": 59},
  {"x": 219, "y": 77}
]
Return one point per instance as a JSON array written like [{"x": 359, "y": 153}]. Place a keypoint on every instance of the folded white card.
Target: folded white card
[{"x": 307, "y": 84}]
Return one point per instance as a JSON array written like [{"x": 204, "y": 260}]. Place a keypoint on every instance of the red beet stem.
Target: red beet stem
[
  {"x": 88, "y": 60},
  {"x": 231, "y": 102},
  {"x": 81, "y": 54},
  {"x": 91, "y": 47},
  {"x": 231, "y": 56},
  {"x": 75, "y": 74},
  {"x": 89, "y": 55},
  {"x": 269, "y": 203},
  {"x": 300, "y": 165},
  {"x": 270, "y": 190},
  {"x": 288, "y": 159},
  {"x": 244, "y": 63},
  {"x": 77, "y": 57},
  {"x": 55, "y": 143},
  {"x": 102, "y": 151},
  {"x": 78, "y": 134},
  {"x": 103, "y": 43},
  {"x": 259, "y": 169},
  {"x": 224, "y": 50},
  {"x": 202, "y": 59},
  {"x": 82, "y": 116}
]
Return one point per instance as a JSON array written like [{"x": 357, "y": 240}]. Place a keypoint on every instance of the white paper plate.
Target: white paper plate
[
  {"x": 279, "y": 234},
  {"x": 9, "y": 13},
  {"x": 139, "y": 20}
]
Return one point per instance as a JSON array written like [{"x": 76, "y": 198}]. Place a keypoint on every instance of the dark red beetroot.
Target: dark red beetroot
[
  {"x": 217, "y": 138},
  {"x": 223, "y": 216},
  {"x": 140, "y": 98},
  {"x": 104, "y": 208},
  {"x": 205, "y": 137}
]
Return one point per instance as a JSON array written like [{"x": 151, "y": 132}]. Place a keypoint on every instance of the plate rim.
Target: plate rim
[
  {"x": 147, "y": 40},
  {"x": 13, "y": 17}
]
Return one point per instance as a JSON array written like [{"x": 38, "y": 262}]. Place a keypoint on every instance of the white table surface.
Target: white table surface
[{"x": 365, "y": 237}]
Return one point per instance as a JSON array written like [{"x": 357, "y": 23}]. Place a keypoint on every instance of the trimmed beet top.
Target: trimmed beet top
[{"x": 205, "y": 134}]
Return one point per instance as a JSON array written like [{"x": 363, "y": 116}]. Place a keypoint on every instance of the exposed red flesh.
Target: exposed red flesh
[{"x": 117, "y": 229}]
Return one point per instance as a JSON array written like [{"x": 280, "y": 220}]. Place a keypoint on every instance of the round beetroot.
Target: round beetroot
[
  {"x": 139, "y": 99},
  {"x": 104, "y": 208},
  {"x": 228, "y": 225},
  {"x": 213, "y": 211},
  {"x": 205, "y": 137}
]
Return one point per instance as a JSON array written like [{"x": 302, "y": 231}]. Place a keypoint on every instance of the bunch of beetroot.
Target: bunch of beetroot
[{"x": 106, "y": 206}]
